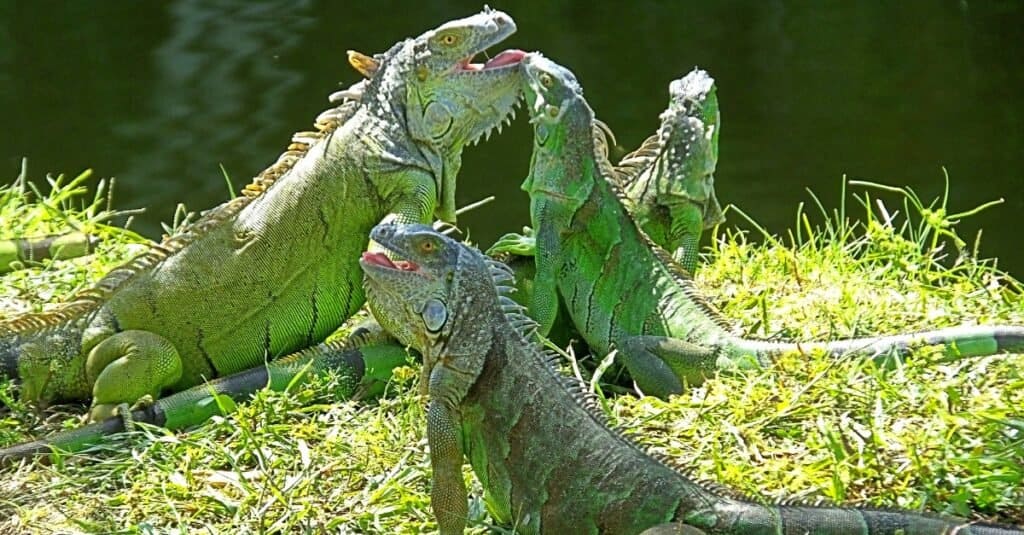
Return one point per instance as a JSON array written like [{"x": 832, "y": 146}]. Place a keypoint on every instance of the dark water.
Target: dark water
[{"x": 161, "y": 95}]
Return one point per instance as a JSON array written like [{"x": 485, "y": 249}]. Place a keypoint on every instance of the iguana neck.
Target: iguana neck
[
  {"x": 562, "y": 164},
  {"x": 388, "y": 128}
]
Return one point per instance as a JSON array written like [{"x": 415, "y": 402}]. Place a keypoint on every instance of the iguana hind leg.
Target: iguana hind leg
[
  {"x": 128, "y": 366},
  {"x": 660, "y": 365}
]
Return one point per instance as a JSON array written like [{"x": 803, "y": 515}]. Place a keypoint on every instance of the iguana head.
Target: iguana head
[
  {"x": 444, "y": 100},
  {"x": 434, "y": 294},
  {"x": 562, "y": 125}
]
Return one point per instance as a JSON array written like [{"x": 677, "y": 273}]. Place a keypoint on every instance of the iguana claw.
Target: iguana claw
[{"x": 524, "y": 244}]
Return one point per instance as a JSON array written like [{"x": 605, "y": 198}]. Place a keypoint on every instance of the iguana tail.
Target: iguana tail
[
  {"x": 354, "y": 361},
  {"x": 16, "y": 253},
  {"x": 971, "y": 341},
  {"x": 735, "y": 517}
]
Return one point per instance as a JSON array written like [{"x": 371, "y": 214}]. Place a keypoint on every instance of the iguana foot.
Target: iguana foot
[
  {"x": 524, "y": 244},
  {"x": 130, "y": 367},
  {"x": 103, "y": 411}
]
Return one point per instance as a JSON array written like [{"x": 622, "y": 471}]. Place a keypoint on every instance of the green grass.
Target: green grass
[{"x": 916, "y": 434}]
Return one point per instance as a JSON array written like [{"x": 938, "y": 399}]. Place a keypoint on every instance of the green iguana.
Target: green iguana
[
  {"x": 624, "y": 292},
  {"x": 275, "y": 270},
  {"x": 670, "y": 179},
  {"x": 538, "y": 443},
  {"x": 671, "y": 185}
]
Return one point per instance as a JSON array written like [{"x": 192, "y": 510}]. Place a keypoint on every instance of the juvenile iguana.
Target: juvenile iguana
[
  {"x": 624, "y": 292},
  {"x": 275, "y": 270},
  {"x": 670, "y": 179},
  {"x": 538, "y": 443}
]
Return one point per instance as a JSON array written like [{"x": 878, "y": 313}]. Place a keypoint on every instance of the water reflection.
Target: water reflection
[
  {"x": 161, "y": 94},
  {"x": 204, "y": 80}
]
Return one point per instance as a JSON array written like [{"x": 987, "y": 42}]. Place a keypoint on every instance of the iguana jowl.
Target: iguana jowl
[
  {"x": 276, "y": 270},
  {"x": 624, "y": 292},
  {"x": 539, "y": 445}
]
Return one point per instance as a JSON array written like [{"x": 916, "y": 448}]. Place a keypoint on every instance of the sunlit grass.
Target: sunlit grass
[{"x": 916, "y": 434}]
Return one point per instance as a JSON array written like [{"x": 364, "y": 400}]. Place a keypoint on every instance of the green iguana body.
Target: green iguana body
[
  {"x": 624, "y": 292},
  {"x": 669, "y": 179},
  {"x": 275, "y": 270},
  {"x": 540, "y": 446},
  {"x": 357, "y": 362}
]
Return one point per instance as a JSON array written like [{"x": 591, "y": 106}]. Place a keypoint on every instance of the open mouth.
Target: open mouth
[
  {"x": 508, "y": 58},
  {"x": 381, "y": 260}
]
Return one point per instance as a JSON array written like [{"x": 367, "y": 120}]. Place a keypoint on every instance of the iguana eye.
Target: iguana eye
[
  {"x": 427, "y": 247},
  {"x": 449, "y": 39},
  {"x": 546, "y": 80}
]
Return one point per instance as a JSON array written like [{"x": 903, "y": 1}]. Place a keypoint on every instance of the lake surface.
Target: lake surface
[{"x": 161, "y": 95}]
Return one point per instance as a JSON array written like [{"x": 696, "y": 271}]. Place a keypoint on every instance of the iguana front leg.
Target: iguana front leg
[
  {"x": 524, "y": 244},
  {"x": 128, "y": 366},
  {"x": 544, "y": 301},
  {"x": 659, "y": 365},
  {"x": 448, "y": 497},
  {"x": 684, "y": 235},
  {"x": 410, "y": 197}
]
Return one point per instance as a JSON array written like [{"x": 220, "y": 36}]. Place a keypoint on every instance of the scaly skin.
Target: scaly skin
[
  {"x": 624, "y": 292},
  {"x": 358, "y": 363},
  {"x": 541, "y": 447},
  {"x": 275, "y": 271},
  {"x": 18, "y": 253},
  {"x": 670, "y": 179}
]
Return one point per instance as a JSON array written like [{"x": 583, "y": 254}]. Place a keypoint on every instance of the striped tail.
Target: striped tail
[
  {"x": 971, "y": 341},
  {"x": 734, "y": 517},
  {"x": 352, "y": 361},
  {"x": 19, "y": 252}
]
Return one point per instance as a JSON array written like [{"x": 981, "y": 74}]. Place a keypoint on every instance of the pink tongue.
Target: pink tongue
[
  {"x": 508, "y": 57},
  {"x": 379, "y": 259}
]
